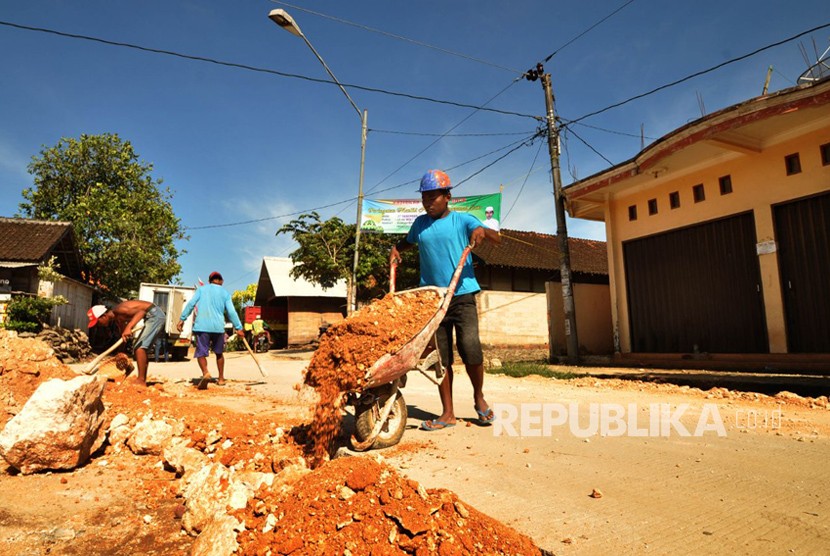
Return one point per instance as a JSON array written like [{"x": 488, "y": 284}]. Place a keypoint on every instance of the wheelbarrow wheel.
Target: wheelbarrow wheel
[{"x": 366, "y": 415}]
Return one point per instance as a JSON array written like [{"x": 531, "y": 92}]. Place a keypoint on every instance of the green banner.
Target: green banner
[{"x": 395, "y": 216}]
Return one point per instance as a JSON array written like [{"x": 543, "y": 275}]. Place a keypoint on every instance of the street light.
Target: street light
[{"x": 284, "y": 20}]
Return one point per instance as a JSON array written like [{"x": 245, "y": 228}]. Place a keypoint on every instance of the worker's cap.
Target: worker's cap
[
  {"x": 95, "y": 313},
  {"x": 489, "y": 210},
  {"x": 214, "y": 276},
  {"x": 435, "y": 179}
]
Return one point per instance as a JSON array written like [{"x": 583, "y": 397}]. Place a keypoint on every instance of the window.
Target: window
[
  {"x": 674, "y": 199},
  {"x": 793, "y": 164},
  {"x": 632, "y": 212},
  {"x": 652, "y": 206},
  {"x": 725, "y": 183},
  {"x": 825, "y": 154},
  {"x": 698, "y": 193}
]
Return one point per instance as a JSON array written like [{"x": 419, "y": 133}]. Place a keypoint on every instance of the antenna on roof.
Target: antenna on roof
[
  {"x": 817, "y": 71},
  {"x": 766, "y": 82},
  {"x": 700, "y": 103}
]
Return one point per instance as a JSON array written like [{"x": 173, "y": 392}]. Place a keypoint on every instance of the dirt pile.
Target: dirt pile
[
  {"x": 350, "y": 348},
  {"x": 357, "y": 506}
]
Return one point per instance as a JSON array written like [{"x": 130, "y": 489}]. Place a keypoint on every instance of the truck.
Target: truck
[
  {"x": 171, "y": 299},
  {"x": 277, "y": 319}
]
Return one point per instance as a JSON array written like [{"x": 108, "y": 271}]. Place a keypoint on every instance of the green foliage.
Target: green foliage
[
  {"x": 243, "y": 298},
  {"x": 234, "y": 343},
  {"x": 326, "y": 255},
  {"x": 29, "y": 314},
  {"x": 47, "y": 272},
  {"x": 124, "y": 222}
]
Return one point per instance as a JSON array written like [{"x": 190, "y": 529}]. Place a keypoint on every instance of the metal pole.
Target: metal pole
[
  {"x": 351, "y": 296},
  {"x": 561, "y": 227},
  {"x": 353, "y": 292}
]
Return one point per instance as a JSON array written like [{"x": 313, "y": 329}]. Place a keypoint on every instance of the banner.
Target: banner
[{"x": 395, "y": 216}]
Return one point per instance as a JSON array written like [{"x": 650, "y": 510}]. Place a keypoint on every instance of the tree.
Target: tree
[
  {"x": 124, "y": 222},
  {"x": 243, "y": 298},
  {"x": 326, "y": 255}
]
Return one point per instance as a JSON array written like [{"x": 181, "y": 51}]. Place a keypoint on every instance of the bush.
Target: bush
[
  {"x": 234, "y": 343},
  {"x": 29, "y": 314}
]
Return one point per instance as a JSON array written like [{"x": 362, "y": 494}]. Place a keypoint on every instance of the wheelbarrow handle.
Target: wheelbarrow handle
[{"x": 393, "y": 271}]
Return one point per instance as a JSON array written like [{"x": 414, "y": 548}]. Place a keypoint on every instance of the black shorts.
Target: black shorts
[{"x": 462, "y": 316}]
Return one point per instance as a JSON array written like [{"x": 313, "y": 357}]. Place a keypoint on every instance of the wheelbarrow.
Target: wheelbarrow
[{"x": 380, "y": 410}]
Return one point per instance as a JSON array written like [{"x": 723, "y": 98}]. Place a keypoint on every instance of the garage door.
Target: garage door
[
  {"x": 802, "y": 230},
  {"x": 696, "y": 289}
]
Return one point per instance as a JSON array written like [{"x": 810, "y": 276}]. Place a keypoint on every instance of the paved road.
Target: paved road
[{"x": 758, "y": 489}]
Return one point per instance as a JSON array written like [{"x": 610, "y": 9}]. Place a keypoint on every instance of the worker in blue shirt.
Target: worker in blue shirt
[{"x": 209, "y": 326}]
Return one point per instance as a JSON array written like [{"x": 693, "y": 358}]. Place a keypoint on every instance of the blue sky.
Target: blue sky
[{"x": 237, "y": 145}]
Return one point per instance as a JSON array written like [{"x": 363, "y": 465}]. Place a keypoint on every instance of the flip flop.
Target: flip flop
[
  {"x": 435, "y": 425},
  {"x": 485, "y": 418},
  {"x": 203, "y": 382}
]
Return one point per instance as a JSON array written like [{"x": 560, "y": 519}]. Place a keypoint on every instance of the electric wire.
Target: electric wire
[
  {"x": 701, "y": 72},
  {"x": 575, "y": 134},
  {"x": 524, "y": 182},
  {"x": 514, "y": 144},
  {"x": 400, "y": 37},
  {"x": 422, "y": 151},
  {"x": 265, "y": 70},
  {"x": 448, "y": 134},
  {"x": 552, "y": 54}
]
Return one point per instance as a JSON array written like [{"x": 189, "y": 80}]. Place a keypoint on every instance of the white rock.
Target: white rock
[{"x": 59, "y": 427}]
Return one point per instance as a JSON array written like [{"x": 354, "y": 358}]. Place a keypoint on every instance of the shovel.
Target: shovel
[
  {"x": 93, "y": 367},
  {"x": 248, "y": 347}
]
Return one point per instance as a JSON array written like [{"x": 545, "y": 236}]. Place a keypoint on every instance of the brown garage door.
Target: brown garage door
[
  {"x": 696, "y": 289},
  {"x": 802, "y": 230}
]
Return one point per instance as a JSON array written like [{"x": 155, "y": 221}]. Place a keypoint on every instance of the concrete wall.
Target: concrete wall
[
  {"x": 592, "y": 304},
  {"x": 521, "y": 318},
  {"x": 512, "y": 318}
]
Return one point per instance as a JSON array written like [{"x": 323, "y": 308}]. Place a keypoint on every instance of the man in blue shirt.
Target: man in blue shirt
[
  {"x": 209, "y": 326},
  {"x": 441, "y": 236}
]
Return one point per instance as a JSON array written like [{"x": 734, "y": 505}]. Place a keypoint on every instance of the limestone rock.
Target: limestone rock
[
  {"x": 218, "y": 538},
  {"x": 185, "y": 461},
  {"x": 150, "y": 436},
  {"x": 58, "y": 428},
  {"x": 211, "y": 491}
]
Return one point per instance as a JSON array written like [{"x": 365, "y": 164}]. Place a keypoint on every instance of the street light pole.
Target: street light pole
[
  {"x": 284, "y": 20},
  {"x": 568, "y": 305}
]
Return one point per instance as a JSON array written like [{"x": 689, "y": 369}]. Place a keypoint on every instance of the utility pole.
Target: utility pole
[{"x": 571, "y": 339}]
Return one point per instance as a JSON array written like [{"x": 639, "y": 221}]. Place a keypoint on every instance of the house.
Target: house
[
  {"x": 296, "y": 309},
  {"x": 521, "y": 299},
  {"x": 26, "y": 244},
  {"x": 718, "y": 235}
]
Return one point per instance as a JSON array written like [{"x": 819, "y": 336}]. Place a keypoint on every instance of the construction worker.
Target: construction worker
[
  {"x": 126, "y": 316},
  {"x": 209, "y": 325},
  {"x": 442, "y": 235}
]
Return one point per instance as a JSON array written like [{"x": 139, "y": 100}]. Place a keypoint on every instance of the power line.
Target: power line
[
  {"x": 566, "y": 123},
  {"x": 552, "y": 54},
  {"x": 264, "y": 70},
  {"x": 400, "y": 37},
  {"x": 702, "y": 72},
  {"x": 450, "y": 134},
  {"x": 524, "y": 182},
  {"x": 422, "y": 151},
  {"x": 575, "y": 134},
  {"x": 352, "y": 199}
]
